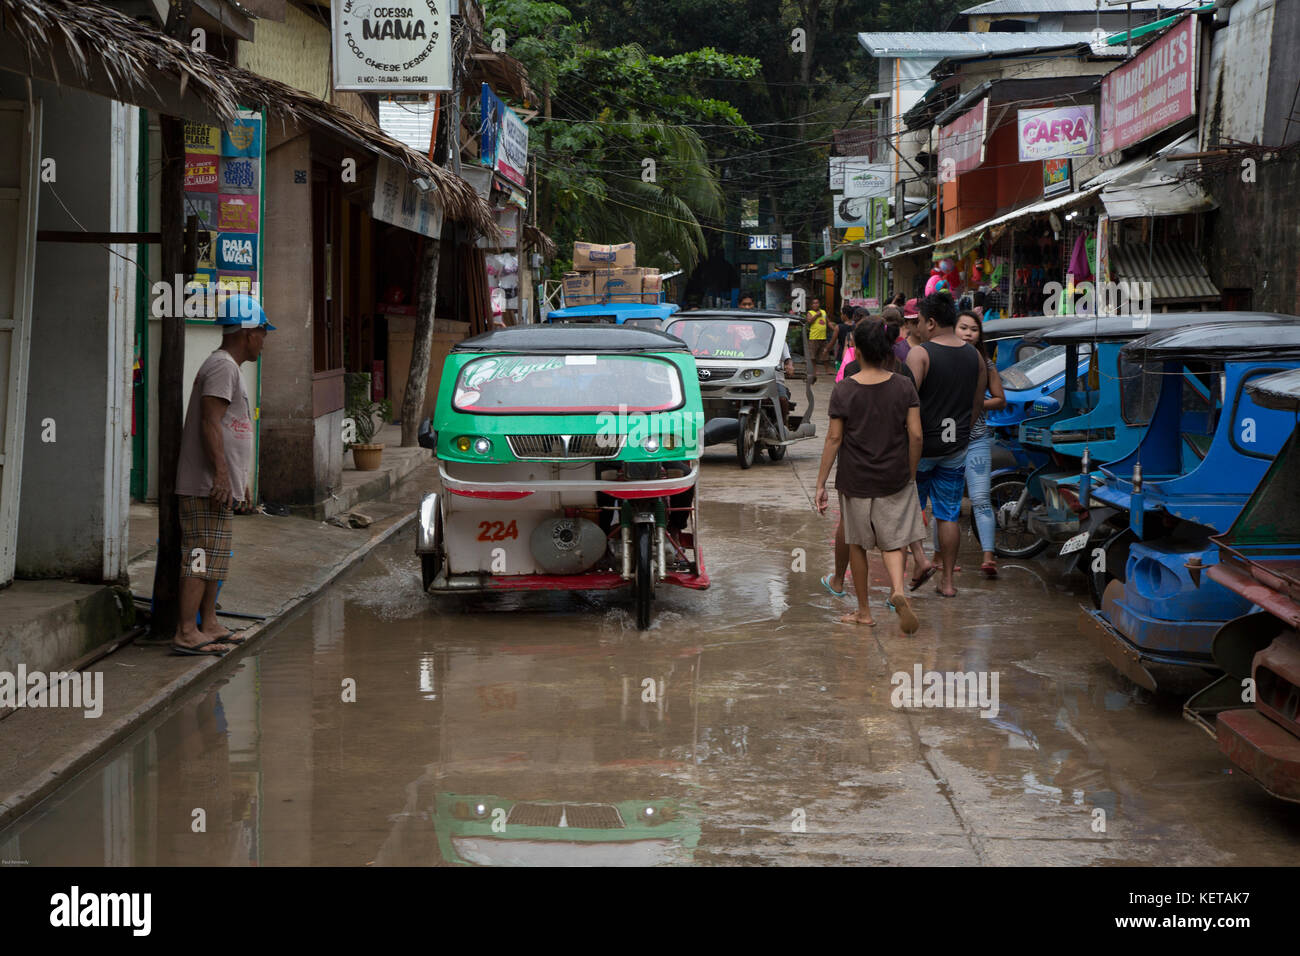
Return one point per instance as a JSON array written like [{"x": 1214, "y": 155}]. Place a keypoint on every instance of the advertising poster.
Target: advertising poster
[
  {"x": 201, "y": 138},
  {"x": 237, "y": 214},
  {"x": 387, "y": 49},
  {"x": 207, "y": 255},
  {"x": 201, "y": 172},
  {"x": 239, "y": 174},
  {"x": 203, "y": 205},
  {"x": 244, "y": 136},
  {"x": 237, "y": 251}
]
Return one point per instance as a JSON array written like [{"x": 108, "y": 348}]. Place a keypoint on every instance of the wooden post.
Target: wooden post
[
  {"x": 421, "y": 345},
  {"x": 171, "y": 357}
]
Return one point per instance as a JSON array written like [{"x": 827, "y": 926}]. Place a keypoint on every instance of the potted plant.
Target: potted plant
[{"x": 359, "y": 425}]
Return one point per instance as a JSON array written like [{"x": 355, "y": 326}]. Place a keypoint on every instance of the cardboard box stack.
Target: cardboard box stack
[{"x": 609, "y": 274}]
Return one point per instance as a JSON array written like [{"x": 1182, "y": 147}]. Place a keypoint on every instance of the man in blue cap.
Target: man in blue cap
[{"x": 212, "y": 475}]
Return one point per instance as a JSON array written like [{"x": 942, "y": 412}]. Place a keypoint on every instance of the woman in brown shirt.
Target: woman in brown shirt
[{"x": 875, "y": 432}]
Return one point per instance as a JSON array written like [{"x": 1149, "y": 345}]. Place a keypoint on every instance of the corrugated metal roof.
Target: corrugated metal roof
[
  {"x": 907, "y": 45},
  {"x": 409, "y": 122},
  {"x": 1058, "y": 6},
  {"x": 1174, "y": 270}
]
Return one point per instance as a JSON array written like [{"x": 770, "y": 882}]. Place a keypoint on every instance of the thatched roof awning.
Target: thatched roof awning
[
  {"x": 500, "y": 71},
  {"x": 534, "y": 238},
  {"x": 113, "y": 55}
]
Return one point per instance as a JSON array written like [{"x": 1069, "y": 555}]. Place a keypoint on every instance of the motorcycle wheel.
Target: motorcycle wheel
[
  {"x": 644, "y": 586},
  {"x": 1008, "y": 544},
  {"x": 746, "y": 447},
  {"x": 776, "y": 452}
]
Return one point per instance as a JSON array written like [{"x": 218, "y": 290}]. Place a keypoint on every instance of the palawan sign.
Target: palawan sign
[
  {"x": 1155, "y": 90},
  {"x": 382, "y": 46},
  {"x": 961, "y": 142},
  {"x": 1056, "y": 132}
]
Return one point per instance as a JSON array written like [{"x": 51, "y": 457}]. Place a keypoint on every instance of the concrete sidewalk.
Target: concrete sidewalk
[{"x": 279, "y": 563}]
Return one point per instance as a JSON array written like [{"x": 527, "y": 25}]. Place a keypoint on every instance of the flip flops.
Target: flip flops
[
  {"x": 230, "y": 638},
  {"x": 198, "y": 651},
  {"x": 826, "y": 583},
  {"x": 939, "y": 591},
  {"x": 990, "y": 569},
  {"x": 916, "y": 583},
  {"x": 907, "y": 621}
]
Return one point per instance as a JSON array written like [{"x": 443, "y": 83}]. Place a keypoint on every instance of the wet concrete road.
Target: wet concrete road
[{"x": 746, "y": 726}]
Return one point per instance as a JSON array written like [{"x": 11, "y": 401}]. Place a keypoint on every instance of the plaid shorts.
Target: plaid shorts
[{"x": 205, "y": 527}]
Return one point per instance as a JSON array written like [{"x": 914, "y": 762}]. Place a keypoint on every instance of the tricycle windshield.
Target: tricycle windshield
[
  {"x": 724, "y": 338},
  {"x": 1039, "y": 369},
  {"x": 651, "y": 323},
  {"x": 567, "y": 384}
]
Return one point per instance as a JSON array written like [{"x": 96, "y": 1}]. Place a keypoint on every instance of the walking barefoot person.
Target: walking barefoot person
[{"x": 875, "y": 432}]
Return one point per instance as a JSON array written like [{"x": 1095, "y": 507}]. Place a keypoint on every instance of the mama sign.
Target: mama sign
[
  {"x": 383, "y": 46},
  {"x": 1055, "y": 132}
]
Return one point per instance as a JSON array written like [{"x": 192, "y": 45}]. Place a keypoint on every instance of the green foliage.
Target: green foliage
[{"x": 361, "y": 409}]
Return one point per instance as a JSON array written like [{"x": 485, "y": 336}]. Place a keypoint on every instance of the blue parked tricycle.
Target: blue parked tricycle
[{"x": 1207, "y": 447}]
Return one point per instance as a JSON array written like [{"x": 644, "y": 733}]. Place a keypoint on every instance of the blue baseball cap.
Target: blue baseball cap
[{"x": 243, "y": 310}]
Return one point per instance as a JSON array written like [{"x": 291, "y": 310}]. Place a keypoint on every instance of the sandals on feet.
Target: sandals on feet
[
  {"x": 916, "y": 582},
  {"x": 826, "y": 583},
  {"x": 198, "y": 649}
]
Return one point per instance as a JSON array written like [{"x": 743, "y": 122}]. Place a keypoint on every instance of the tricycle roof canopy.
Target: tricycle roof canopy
[
  {"x": 731, "y": 314},
  {"x": 1222, "y": 341},
  {"x": 1280, "y": 391},
  {"x": 1021, "y": 326},
  {"x": 1125, "y": 328},
  {"x": 615, "y": 311},
  {"x": 572, "y": 338}
]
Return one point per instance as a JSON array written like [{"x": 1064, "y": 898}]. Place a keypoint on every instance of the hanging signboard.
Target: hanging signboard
[
  {"x": 503, "y": 138},
  {"x": 867, "y": 180},
  {"x": 405, "y": 47},
  {"x": 787, "y": 249},
  {"x": 763, "y": 243},
  {"x": 850, "y": 212},
  {"x": 1056, "y": 177},
  {"x": 1153, "y": 91},
  {"x": 837, "y": 165},
  {"x": 961, "y": 142},
  {"x": 399, "y": 202},
  {"x": 1057, "y": 131}
]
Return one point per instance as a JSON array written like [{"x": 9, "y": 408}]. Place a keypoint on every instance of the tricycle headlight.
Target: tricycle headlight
[{"x": 475, "y": 443}]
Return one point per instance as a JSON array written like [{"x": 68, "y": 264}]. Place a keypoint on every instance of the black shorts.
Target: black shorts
[{"x": 782, "y": 390}]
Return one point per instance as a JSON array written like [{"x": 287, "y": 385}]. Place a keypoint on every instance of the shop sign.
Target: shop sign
[
  {"x": 1056, "y": 177},
  {"x": 837, "y": 166},
  {"x": 763, "y": 243},
  {"x": 390, "y": 47},
  {"x": 1153, "y": 91},
  {"x": 866, "y": 181},
  {"x": 787, "y": 249},
  {"x": 400, "y": 202},
  {"x": 503, "y": 143},
  {"x": 1057, "y": 131},
  {"x": 850, "y": 212},
  {"x": 961, "y": 142}
]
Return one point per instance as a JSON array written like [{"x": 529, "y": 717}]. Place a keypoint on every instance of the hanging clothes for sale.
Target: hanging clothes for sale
[{"x": 1080, "y": 260}]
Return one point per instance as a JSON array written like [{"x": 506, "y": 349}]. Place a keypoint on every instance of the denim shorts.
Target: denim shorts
[{"x": 941, "y": 480}]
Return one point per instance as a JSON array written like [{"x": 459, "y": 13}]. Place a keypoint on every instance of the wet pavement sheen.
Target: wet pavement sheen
[{"x": 747, "y": 726}]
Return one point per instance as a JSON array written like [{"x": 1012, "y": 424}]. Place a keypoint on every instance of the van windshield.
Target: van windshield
[
  {"x": 724, "y": 338},
  {"x": 567, "y": 384}
]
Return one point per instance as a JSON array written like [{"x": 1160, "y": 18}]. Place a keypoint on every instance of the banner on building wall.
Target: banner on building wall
[
  {"x": 787, "y": 249},
  {"x": 503, "y": 138},
  {"x": 223, "y": 188},
  {"x": 1057, "y": 131},
  {"x": 1155, "y": 90},
  {"x": 961, "y": 142},
  {"x": 404, "y": 46},
  {"x": 400, "y": 202}
]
